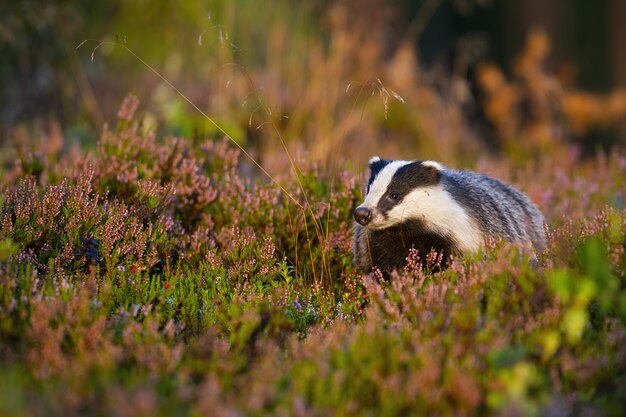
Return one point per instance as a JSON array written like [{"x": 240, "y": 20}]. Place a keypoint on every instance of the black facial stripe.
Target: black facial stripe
[
  {"x": 375, "y": 168},
  {"x": 406, "y": 179},
  {"x": 415, "y": 175}
]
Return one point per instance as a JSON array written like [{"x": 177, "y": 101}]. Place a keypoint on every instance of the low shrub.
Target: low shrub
[{"x": 151, "y": 276}]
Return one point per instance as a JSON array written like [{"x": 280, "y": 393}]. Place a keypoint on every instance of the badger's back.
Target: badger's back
[
  {"x": 497, "y": 208},
  {"x": 422, "y": 205}
]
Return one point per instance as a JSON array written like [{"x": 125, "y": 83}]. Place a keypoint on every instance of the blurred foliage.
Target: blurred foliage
[
  {"x": 44, "y": 76},
  {"x": 321, "y": 78}
]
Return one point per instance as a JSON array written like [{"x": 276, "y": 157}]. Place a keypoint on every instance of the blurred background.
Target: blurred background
[{"x": 334, "y": 81}]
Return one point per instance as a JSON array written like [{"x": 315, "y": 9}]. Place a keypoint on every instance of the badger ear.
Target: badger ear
[
  {"x": 373, "y": 160},
  {"x": 375, "y": 165},
  {"x": 434, "y": 164}
]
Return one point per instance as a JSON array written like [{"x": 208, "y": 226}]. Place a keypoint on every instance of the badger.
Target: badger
[{"x": 425, "y": 206}]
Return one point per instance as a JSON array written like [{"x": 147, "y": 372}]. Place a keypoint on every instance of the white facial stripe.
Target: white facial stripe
[
  {"x": 380, "y": 184},
  {"x": 441, "y": 213}
]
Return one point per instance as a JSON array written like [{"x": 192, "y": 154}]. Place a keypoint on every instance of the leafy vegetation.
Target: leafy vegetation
[
  {"x": 146, "y": 273},
  {"x": 149, "y": 276}
]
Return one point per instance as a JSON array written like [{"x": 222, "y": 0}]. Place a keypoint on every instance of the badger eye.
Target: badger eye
[{"x": 394, "y": 195}]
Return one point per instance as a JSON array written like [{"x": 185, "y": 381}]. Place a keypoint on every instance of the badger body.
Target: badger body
[{"x": 423, "y": 205}]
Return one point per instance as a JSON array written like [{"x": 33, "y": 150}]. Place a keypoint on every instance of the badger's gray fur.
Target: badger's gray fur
[{"x": 423, "y": 205}]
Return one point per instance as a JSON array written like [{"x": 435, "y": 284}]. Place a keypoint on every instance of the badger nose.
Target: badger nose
[{"x": 362, "y": 215}]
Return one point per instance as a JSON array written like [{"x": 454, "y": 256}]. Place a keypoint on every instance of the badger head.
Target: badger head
[
  {"x": 403, "y": 192},
  {"x": 398, "y": 191}
]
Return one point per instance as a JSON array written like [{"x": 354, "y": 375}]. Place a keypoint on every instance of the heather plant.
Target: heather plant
[
  {"x": 154, "y": 277},
  {"x": 164, "y": 275}
]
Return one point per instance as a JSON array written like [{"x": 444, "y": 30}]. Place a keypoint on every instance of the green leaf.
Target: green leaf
[{"x": 596, "y": 265}]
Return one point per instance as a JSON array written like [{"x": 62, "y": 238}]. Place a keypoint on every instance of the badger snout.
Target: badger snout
[{"x": 362, "y": 215}]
